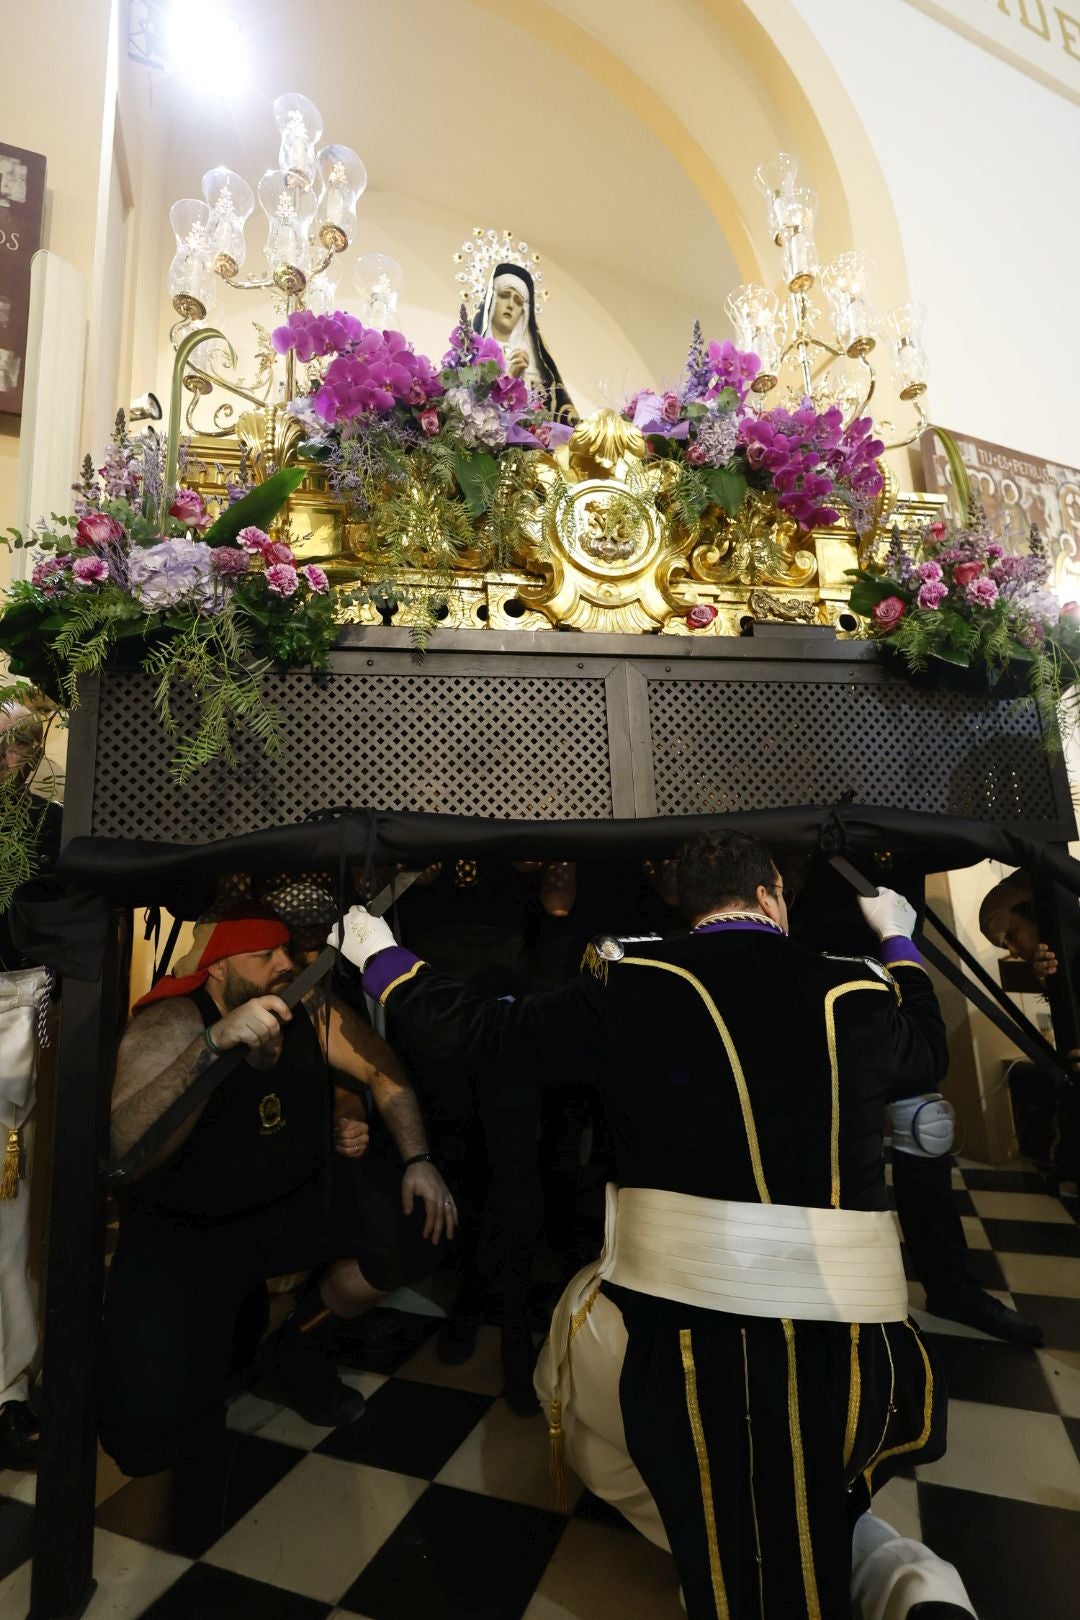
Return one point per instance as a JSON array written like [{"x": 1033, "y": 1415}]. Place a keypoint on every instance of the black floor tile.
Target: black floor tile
[
  {"x": 205, "y": 1593},
  {"x": 997, "y": 1374},
  {"x": 455, "y": 1555},
  {"x": 591, "y": 1507},
  {"x": 16, "y": 1525},
  {"x": 1073, "y": 1426},
  {"x": 1058, "y": 1318},
  {"x": 1016, "y": 1558},
  {"x": 408, "y": 1427},
  {"x": 1018, "y": 1181},
  {"x": 1033, "y": 1237},
  {"x": 144, "y": 1509}
]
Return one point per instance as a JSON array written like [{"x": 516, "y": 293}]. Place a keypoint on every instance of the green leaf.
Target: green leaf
[
  {"x": 961, "y": 483},
  {"x": 477, "y": 475},
  {"x": 258, "y": 508},
  {"x": 726, "y": 488}
]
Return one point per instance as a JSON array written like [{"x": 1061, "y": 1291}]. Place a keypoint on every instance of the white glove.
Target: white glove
[
  {"x": 362, "y": 936},
  {"x": 888, "y": 914}
]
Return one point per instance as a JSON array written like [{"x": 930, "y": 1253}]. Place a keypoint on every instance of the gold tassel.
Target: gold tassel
[
  {"x": 592, "y": 962},
  {"x": 560, "y": 1474},
  {"x": 12, "y": 1171}
]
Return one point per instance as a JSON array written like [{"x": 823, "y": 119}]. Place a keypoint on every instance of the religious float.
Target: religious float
[{"x": 380, "y": 607}]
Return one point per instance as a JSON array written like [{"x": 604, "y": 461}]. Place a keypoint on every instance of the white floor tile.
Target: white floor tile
[
  {"x": 1002, "y": 1451},
  {"x": 318, "y": 1527},
  {"x": 975, "y": 1232},
  {"x": 129, "y": 1575},
  {"x": 506, "y": 1456},
  {"x": 605, "y": 1574},
  {"x": 1007, "y": 1206},
  {"x": 1056, "y": 1274},
  {"x": 18, "y": 1485},
  {"x": 482, "y": 1374},
  {"x": 1062, "y": 1369},
  {"x": 898, "y": 1504},
  {"x": 941, "y": 1324}
]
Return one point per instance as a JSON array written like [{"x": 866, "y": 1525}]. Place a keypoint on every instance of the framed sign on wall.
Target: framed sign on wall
[{"x": 22, "y": 201}]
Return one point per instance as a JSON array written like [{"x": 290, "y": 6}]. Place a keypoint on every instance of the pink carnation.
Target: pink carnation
[
  {"x": 90, "y": 570},
  {"x": 229, "y": 560},
  {"x": 983, "y": 592},
  {"x": 316, "y": 578},
  {"x": 932, "y": 594},
  {"x": 929, "y": 572},
  {"x": 282, "y": 579},
  {"x": 253, "y": 539}
]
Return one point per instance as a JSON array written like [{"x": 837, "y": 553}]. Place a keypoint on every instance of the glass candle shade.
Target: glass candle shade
[
  {"x": 231, "y": 202},
  {"x": 344, "y": 180},
  {"x": 776, "y": 181},
  {"x": 190, "y": 278},
  {"x": 903, "y": 328},
  {"x": 301, "y": 126},
  {"x": 378, "y": 279},
  {"x": 755, "y": 314},
  {"x": 846, "y": 283},
  {"x": 289, "y": 205}
]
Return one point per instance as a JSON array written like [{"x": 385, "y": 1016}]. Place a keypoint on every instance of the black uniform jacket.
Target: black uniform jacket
[{"x": 733, "y": 1064}]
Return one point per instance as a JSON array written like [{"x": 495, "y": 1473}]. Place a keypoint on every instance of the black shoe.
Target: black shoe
[
  {"x": 519, "y": 1363},
  {"x": 978, "y": 1309},
  {"x": 456, "y": 1339},
  {"x": 296, "y": 1368},
  {"x": 376, "y": 1340},
  {"x": 18, "y": 1436}
]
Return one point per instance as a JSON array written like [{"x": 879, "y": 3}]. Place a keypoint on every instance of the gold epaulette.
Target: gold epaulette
[{"x": 607, "y": 948}]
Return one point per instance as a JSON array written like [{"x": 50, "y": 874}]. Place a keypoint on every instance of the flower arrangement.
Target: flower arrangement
[
  {"x": 430, "y": 460},
  {"x": 955, "y": 595},
  {"x": 212, "y": 600},
  {"x": 807, "y": 459}
]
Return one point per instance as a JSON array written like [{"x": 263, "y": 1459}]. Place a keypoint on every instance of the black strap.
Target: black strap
[
  {"x": 1010, "y": 1008},
  {"x": 122, "y": 1170},
  {"x": 161, "y": 966}
]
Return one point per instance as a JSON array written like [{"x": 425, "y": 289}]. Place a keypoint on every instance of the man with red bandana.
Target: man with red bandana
[{"x": 246, "y": 1189}]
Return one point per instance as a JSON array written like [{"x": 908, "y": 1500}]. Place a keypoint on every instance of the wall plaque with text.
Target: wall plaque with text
[{"x": 22, "y": 201}]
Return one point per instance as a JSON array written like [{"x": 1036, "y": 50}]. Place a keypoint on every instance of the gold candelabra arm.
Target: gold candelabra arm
[{"x": 172, "y": 445}]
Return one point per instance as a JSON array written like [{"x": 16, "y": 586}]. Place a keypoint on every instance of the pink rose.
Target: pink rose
[
  {"x": 189, "y": 507},
  {"x": 90, "y": 570},
  {"x": 700, "y": 615},
  {"x": 95, "y": 529},
  {"x": 671, "y": 408},
  {"x": 695, "y": 456},
  {"x": 965, "y": 572},
  {"x": 932, "y": 594},
  {"x": 316, "y": 578},
  {"x": 938, "y": 529},
  {"x": 888, "y": 612},
  {"x": 253, "y": 539},
  {"x": 282, "y": 579},
  {"x": 276, "y": 552},
  {"x": 429, "y": 421},
  {"x": 1071, "y": 610}
]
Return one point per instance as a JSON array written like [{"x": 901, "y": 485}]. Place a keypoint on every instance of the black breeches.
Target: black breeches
[
  {"x": 930, "y": 1221},
  {"x": 761, "y": 1442},
  {"x": 176, "y": 1292}
]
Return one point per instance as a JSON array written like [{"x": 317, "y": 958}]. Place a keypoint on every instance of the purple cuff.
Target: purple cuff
[
  {"x": 900, "y": 952},
  {"x": 387, "y": 968}
]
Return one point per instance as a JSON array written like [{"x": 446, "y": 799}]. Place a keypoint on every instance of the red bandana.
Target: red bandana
[{"x": 234, "y": 936}]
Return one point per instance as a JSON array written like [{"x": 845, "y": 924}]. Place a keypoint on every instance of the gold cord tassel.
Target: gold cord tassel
[
  {"x": 560, "y": 1474},
  {"x": 592, "y": 962},
  {"x": 9, "y": 1176}
]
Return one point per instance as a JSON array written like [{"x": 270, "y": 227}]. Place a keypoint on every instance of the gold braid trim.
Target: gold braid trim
[
  {"x": 831, "y": 999},
  {"x": 854, "y": 1394},
  {"x": 578, "y": 1319},
  {"x": 802, "y": 1510},
  {"x": 928, "y": 1412},
  {"x": 733, "y": 1060},
  {"x": 402, "y": 978},
  {"x": 750, "y": 1463},
  {"x": 704, "y": 1474}
]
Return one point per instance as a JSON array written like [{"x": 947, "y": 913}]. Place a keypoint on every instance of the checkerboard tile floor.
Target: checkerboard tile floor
[{"x": 436, "y": 1504}]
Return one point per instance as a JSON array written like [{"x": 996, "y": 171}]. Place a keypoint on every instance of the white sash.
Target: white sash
[{"x": 774, "y": 1260}]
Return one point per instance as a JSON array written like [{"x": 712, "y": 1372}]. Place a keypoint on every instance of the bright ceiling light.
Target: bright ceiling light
[{"x": 204, "y": 45}]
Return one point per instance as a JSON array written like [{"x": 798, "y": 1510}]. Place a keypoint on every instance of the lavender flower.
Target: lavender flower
[{"x": 171, "y": 572}]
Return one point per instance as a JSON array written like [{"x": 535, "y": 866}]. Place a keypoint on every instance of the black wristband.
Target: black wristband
[
  {"x": 419, "y": 1158},
  {"x": 218, "y": 1051}
]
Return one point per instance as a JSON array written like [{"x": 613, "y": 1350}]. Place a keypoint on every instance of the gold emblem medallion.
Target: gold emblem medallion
[{"x": 271, "y": 1117}]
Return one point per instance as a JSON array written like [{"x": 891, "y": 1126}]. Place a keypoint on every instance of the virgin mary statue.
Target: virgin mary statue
[{"x": 508, "y": 314}]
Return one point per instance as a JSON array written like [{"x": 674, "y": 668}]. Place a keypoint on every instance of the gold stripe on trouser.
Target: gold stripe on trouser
[
  {"x": 854, "y": 1393},
  {"x": 802, "y": 1510},
  {"x": 831, "y": 999},
  {"x": 890, "y": 1410},
  {"x": 750, "y": 1462},
  {"x": 928, "y": 1412},
  {"x": 704, "y": 1473},
  {"x": 733, "y": 1059}
]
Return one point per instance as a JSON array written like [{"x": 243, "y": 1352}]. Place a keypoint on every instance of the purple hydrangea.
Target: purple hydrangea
[{"x": 171, "y": 572}]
